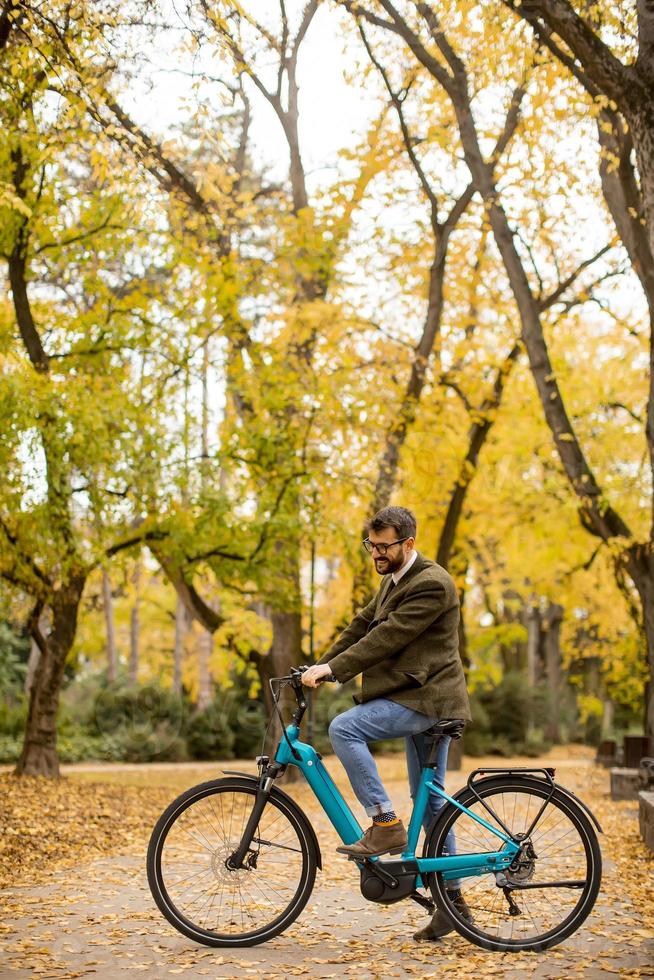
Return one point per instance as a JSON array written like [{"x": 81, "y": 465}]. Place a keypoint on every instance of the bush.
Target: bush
[
  {"x": 78, "y": 701},
  {"x": 249, "y": 723},
  {"x": 14, "y": 653},
  {"x": 161, "y": 744},
  {"x": 593, "y": 730},
  {"x": 245, "y": 716},
  {"x": 508, "y": 719},
  {"x": 79, "y": 746},
  {"x": 509, "y": 707},
  {"x": 10, "y": 747},
  {"x": 331, "y": 701},
  {"x": 476, "y": 742},
  {"x": 145, "y": 707},
  {"x": 122, "y": 722},
  {"x": 535, "y": 743},
  {"x": 139, "y": 723},
  {"x": 13, "y": 717},
  {"x": 208, "y": 734}
]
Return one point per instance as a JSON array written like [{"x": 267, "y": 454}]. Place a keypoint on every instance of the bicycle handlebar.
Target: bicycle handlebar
[
  {"x": 294, "y": 679},
  {"x": 296, "y": 673}
]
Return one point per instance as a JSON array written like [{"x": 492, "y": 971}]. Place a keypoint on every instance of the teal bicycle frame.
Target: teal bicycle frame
[{"x": 292, "y": 752}]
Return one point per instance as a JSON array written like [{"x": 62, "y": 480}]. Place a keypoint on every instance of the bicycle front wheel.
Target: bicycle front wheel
[
  {"x": 189, "y": 874},
  {"x": 549, "y": 889}
]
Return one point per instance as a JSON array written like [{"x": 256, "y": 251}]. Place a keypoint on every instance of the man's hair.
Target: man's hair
[{"x": 403, "y": 521}]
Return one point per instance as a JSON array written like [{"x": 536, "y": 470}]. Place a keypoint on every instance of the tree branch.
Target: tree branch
[
  {"x": 619, "y": 405},
  {"x": 24, "y": 555},
  {"x": 8, "y": 7},
  {"x": 409, "y": 143},
  {"x": 599, "y": 64},
  {"x": 145, "y": 145},
  {"x": 34, "y": 626},
  {"x": 143, "y": 537},
  {"x": 623, "y": 197},
  {"x": 484, "y": 418},
  {"x": 645, "y": 59},
  {"x": 545, "y": 302},
  {"x": 17, "y": 273},
  {"x": 106, "y": 224},
  {"x": 402, "y": 29}
]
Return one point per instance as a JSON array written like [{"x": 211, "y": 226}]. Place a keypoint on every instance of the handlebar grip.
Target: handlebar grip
[{"x": 296, "y": 673}]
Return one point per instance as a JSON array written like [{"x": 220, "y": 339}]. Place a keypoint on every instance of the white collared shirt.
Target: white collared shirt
[{"x": 396, "y": 576}]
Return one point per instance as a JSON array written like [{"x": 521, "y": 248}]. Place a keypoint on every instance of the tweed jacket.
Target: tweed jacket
[{"x": 406, "y": 644}]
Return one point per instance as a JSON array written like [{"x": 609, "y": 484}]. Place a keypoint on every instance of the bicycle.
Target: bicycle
[{"x": 233, "y": 861}]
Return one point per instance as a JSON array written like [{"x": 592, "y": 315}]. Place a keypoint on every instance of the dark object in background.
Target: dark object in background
[
  {"x": 607, "y": 753},
  {"x": 646, "y": 773},
  {"x": 636, "y": 747}
]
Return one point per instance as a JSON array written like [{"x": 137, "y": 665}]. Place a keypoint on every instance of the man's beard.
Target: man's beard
[{"x": 389, "y": 565}]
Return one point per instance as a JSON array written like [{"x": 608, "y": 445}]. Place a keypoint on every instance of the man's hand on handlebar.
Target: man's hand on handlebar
[{"x": 316, "y": 675}]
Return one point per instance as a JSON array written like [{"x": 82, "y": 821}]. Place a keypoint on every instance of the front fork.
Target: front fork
[{"x": 267, "y": 775}]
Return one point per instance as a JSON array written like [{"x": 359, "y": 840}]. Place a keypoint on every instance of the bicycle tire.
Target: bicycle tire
[
  {"x": 169, "y": 841},
  {"x": 582, "y": 851}
]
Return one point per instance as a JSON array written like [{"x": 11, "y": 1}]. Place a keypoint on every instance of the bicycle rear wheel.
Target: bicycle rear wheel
[
  {"x": 191, "y": 881},
  {"x": 557, "y": 872}
]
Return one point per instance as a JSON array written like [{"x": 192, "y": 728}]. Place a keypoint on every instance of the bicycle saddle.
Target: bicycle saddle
[{"x": 449, "y": 726}]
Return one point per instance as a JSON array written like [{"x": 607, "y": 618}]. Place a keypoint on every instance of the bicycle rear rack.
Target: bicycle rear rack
[{"x": 548, "y": 771}]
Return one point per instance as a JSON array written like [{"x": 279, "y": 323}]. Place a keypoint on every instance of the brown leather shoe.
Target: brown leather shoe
[
  {"x": 378, "y": 839},
  {"x": 440, "y": 925}
]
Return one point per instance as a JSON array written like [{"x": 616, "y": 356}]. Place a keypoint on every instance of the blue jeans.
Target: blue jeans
[{"x": 350, "y": 733}]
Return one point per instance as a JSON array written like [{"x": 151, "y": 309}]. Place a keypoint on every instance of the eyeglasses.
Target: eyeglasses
[{"x": 381, "y": 548}]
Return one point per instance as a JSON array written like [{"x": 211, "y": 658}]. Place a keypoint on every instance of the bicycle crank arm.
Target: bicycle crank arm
[
  {"x": 424, "y": 901},
  {"x": 374, "y": 867}
]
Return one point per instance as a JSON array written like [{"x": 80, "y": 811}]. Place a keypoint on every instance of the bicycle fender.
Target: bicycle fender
[
  {"x": 584, "y": 806},
  {"x": 289, "y": 802}
]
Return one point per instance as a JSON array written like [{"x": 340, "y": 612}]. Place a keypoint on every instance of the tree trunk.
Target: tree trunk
[
  {"x": 627, "y": 90},
  {"x": 285, "y": 652},
  {"x": 551, "y": 623},
  {"x": 108, "y": 607},
  {"x": 639, "y": 563},
  {"x": 463, "y": 637},
  {"x": 533, "y": 645},
  {"x": 205, "y": 649},
  {"x": 607, "y": 718},
  {"x": 32, "y": 664},
  {"x": 134, "y": 625},
  {"x": 181, "y": 625},
  {"x": 641, "y": 124},
  {"x": 39, "y": 754}
]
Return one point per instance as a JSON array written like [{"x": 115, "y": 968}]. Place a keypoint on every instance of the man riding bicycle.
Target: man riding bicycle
[{"x": 405, "y": 643}]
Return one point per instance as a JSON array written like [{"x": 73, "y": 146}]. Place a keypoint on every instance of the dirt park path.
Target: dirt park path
[{"x": 98, "y": 919}]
